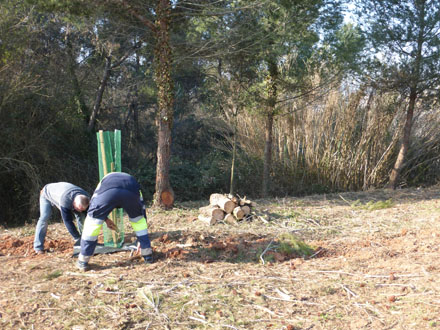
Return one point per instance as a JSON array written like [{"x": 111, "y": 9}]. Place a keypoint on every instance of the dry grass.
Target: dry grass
[
  {"x": 345, "y": 141},
  {"x": 373, "y": 268}
]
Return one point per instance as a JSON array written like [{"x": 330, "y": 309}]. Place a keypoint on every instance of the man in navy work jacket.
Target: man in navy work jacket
[
  {"x": 72, "y": 201},
  {"x": 116, "y": 190}
]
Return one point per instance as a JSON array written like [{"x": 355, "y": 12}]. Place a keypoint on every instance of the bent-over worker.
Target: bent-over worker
[
  {"x": 116, "y": 190},
  {"x": 71, "y": 200}
]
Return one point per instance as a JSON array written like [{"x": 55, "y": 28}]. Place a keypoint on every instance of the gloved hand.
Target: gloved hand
[{"x": 110, "y": 224}]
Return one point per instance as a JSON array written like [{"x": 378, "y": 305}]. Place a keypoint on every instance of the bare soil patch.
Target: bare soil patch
[{"x": 372, "y": 268}]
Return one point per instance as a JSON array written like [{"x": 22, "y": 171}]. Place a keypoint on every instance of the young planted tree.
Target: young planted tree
[{"x": 405, "y": 39}]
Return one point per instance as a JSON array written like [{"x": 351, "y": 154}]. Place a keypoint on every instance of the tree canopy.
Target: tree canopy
[{"x": 259, "y": 98}]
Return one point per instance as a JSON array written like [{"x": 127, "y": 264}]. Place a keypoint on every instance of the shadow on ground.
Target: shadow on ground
[{"x": 178, "y": 245}]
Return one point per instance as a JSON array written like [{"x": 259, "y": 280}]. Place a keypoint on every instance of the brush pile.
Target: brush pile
[{"x": 226, "y": 208}]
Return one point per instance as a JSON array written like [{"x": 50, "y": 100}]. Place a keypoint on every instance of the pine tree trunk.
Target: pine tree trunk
[
  {"x": 405, "y": 142},
  {"x": 78, "y": 95},
  {"x": 271, "y": 101},
  {"x": 234, "y": 152},
  {"x": 412, "y": 102},
  {"x": 164, "y": 195},
  {"x": 267, "y": 154},
  {"x": 100, "y": 93}
]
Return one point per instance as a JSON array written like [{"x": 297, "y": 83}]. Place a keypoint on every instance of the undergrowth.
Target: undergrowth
[
  {"x": 371, "y": 206},
  {"x": 290, "y": 244}
]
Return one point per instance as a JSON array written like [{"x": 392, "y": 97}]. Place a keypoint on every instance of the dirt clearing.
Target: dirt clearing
[{"x": 374, "y": 265}]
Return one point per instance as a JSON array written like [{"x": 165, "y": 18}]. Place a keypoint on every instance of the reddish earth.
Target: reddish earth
[
  {"x": 372, "y": 269},
  {"x": 11, "y": 246}
]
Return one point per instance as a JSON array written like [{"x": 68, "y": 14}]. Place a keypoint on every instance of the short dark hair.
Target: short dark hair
[{"x": 82, "y": 200}]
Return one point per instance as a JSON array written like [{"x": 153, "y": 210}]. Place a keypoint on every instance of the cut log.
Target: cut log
[
  {"x": 244, "y": 201},
  {"x": 233, "y": 198},
  {"x": 223, "y": 202},
  {"x": 229, "y": 218},
  {"x": 209, "y": 220},
  {"x": 246, "y": 209},
  {"x": 238, "y": 213},
  {"x": 212, "y": 211},
  {"x": 167, "y": 197}
]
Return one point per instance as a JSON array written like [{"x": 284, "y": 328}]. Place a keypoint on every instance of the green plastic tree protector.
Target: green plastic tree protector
[{"x": 109, "y": 160}]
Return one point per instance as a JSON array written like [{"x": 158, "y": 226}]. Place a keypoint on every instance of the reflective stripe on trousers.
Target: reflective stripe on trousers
[
  {"x": 92, "y": 228},
  {"x": 89, "y": 237},
  {"x": 140, "y": 227}
]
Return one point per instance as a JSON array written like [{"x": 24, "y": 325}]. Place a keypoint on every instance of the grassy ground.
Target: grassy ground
[{"x": 374, "y": 264}]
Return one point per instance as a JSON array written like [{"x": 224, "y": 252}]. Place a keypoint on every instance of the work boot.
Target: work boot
[
  {"x": 82, "y": 265},
  {"x": 39, "y": 252},
  {"x": 149, "y": 258}
]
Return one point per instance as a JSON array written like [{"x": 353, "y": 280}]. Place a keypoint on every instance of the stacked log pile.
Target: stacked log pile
[{"x": 226, "y": 208}]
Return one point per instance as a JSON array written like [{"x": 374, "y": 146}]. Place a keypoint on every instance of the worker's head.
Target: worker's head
[{"x": 81, "y": 203}]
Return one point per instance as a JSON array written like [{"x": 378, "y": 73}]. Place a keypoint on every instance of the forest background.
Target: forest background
[{"x": 260, "y": 98}]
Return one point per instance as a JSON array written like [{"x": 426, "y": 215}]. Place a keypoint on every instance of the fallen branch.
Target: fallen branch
[
  {"x": 349, "y": 292},
  {"x": 345, "y": 200},
  {"x": 367, "y": 307},
  {"x": 111, "y": 292},
  {"x": 175, "y": 286},
  {"x": 267, "y": 310},
  {"x": 150, "y": 298},
  {"x": 86, "y": 275},
  {"x": 353, "y": 274},
  {"x": 197, "y": 319},
  {"x": 264, "y": 252},
  {"x": 294, "y": 301},
  {"x": 316, "y": 253}
]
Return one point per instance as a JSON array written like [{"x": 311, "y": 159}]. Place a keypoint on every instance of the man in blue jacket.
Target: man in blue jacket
[
  {"x": 116, "y": 190},
  {"x": 72, "y": 201}
]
